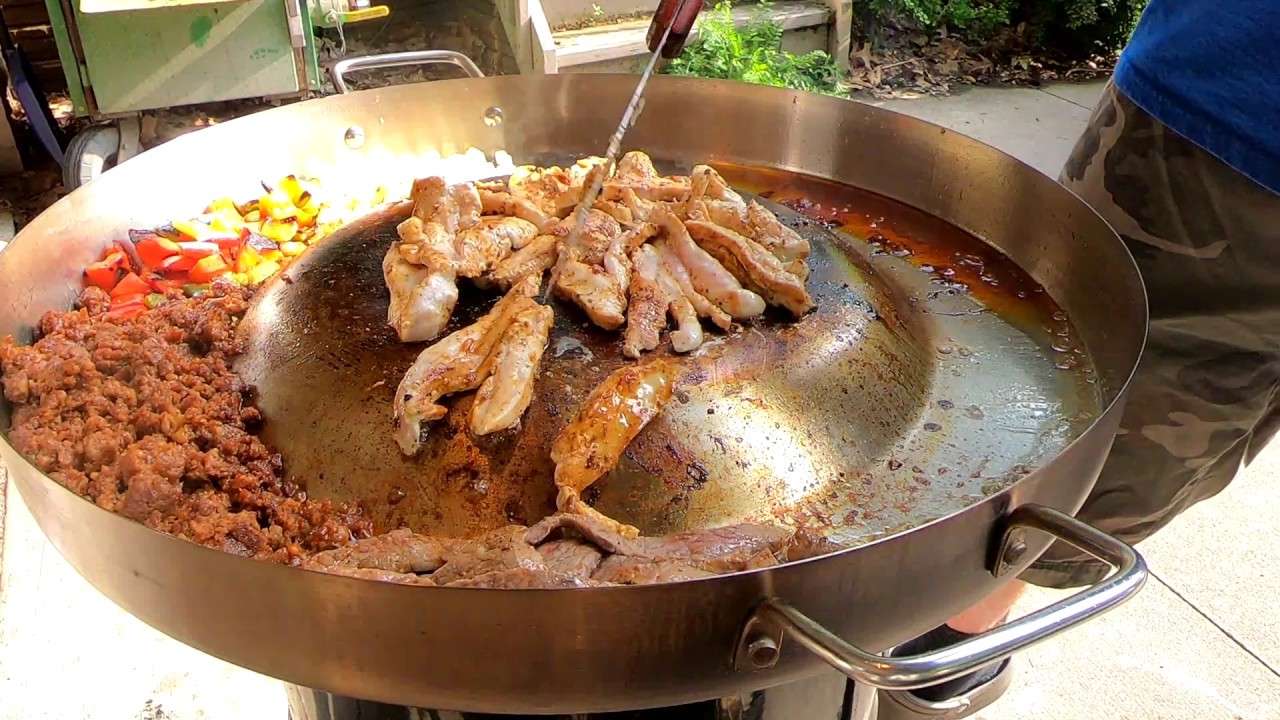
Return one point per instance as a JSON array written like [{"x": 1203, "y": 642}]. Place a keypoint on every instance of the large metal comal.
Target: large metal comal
[{"x": 929, "y": 432}]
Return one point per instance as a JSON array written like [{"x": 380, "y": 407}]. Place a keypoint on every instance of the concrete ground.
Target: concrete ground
[{"x": 1200, "y": 642}]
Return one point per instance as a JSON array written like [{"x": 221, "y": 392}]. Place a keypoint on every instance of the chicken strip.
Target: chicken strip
[
  {"x": 424, "y": 293},
  {"x": 600, "y": 290},
  {"x": 766, "y": 229},
  {"x": 506, "y": 392},
  {"x": 676, "y": 270},
  {"x": 504, "y": 203},
  {"x": 687, "y": 336},
  {"x": 599, "y": 231},
  {"x": 612, "y": 416},
  {"x": 642, "y": 209},
  {"x": 706, "y": 183},
  {"x": 452, "y": 365},
  {"x": 647, "y": 306},
  {"x": 636, "y": 172},
  {"x": 489, "y": 242},
  {"x": 420, "y": 271},
  {"x": 709, "y": 277},
  {"x": 753, "y": 266},
  {"x": 531, "y": 260},
  {"x": 455, "y": 207}
]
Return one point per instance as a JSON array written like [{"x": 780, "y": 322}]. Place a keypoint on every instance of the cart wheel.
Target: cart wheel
[{"x": 90, "y": 154}]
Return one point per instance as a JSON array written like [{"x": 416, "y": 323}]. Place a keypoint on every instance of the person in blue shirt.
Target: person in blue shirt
[{"x": 1182, "y": 158}]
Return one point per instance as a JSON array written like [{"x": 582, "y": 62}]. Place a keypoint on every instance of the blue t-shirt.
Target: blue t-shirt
[{"x": 1210, "y": 71}]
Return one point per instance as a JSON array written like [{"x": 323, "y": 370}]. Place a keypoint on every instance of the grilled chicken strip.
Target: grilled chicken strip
[
  {"x": 752, "y": 265},
  {"x": 504, "y": 203},
  {"x": 598, "y": 232},
  {"x": 454, "y": 364},
  {"x": 706, "y": 183},
  {"x": 506, "y": 392},
  {"x": 489, "y": 242},
  {"x": 647, "y": 306},
  {"x": 423, "y": 293},
  {"x": 612, "y": 416},
  {"x": 455, "y": 207},
  {"x": 542, "y": 187},
  {"x": 709, "y": 277},
  {"x": 687, "y": 336},
  {"x": 679, "y": 274},
  {"x": 420, "y": 271},
  {"x": 636, "y": 172},
  {"x": 785, "y": 243},
  {"x": 600, "y": 290},
  {"x": 531, "y": 260}
]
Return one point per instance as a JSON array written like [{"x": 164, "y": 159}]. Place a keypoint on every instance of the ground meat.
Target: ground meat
[{"x": 146, "y": 418}]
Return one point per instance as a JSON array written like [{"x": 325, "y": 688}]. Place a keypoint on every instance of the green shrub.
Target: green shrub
[
  {"x": 977, "y": 19},
  {"x": 1079, "y": 28},
  {"x": 753, "y": 53},
  {"x": 1071, "y": 27}
]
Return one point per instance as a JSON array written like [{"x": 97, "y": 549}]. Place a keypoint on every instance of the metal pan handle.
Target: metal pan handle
[
  {"x": 400, "y": 59},
  {"x": 760, "y": 642}
]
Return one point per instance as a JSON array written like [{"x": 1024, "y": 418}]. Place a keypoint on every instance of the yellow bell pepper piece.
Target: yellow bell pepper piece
[
  {"x": 221, "y": 206},
  {"x": 262, "y": 272},
  {"x": 292, "y": 249},
  {"x": 248, "y": 259},
  {"x": 276, "y": 205},
  {"x": 282, "y": 231}
]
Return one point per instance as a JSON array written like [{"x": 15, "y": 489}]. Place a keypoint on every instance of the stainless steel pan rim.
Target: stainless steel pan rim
[{"x": 762, "y": 618}]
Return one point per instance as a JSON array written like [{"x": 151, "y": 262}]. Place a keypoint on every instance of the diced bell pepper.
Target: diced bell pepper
[
  {"x": 130, "y": 284},
  {"x": 276, "y": 205},
  {"x": 178, "y": 264},
  {"x": 103, "y": 274},
  {"x": 209, "y": 268},
  {"x": 281, "y": 231},
  {"x": 261, "y": 272},
  {"x": 126, "y": 310},
  {"x": 247, "y": 259},
  {"x": 153, "y": 301},
  {"x": 195, "y": 290},
  {"x": 292, "y": 249},
  {"x": 199, "y": 249},
  {"x": 153, "y": 250}
]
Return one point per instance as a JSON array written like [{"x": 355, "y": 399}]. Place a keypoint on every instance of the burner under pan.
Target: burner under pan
[{"x": 826, "y": 697}]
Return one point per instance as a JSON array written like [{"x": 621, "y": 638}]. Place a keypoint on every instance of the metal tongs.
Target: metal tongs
[{"x": 672, "y": 24}]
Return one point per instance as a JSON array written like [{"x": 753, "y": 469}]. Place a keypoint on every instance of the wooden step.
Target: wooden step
[{"x": 615, "y": 46}]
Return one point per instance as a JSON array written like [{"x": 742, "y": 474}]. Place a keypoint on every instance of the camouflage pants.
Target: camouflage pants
[{"x": 1204, "y": 400}]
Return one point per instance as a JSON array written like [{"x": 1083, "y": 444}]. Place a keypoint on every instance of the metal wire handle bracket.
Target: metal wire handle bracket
[
  {"x": 759, "y": 646},
  {"x": 400, "y": 59}
]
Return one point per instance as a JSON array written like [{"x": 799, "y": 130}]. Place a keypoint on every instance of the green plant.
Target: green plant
[
  {"x": 977, "y": 19},
  {"x": 753, "y": 53}
]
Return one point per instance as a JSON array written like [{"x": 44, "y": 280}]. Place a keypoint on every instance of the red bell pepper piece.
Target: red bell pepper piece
[
  {"x": 199, "y": 249},
  {"x": 103, "y": 274},
  {"x": 228, "y": 245},
  {"x": 130, "y": 284},
  {"x": 177, "y": 264},
  {"x": 126, "y": 310},
  {"x": 209, "y": 268},
  {"x": 153, "y": 250}
]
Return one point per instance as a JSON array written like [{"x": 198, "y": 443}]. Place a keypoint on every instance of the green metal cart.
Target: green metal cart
[{"x": 123, "y": 57}]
